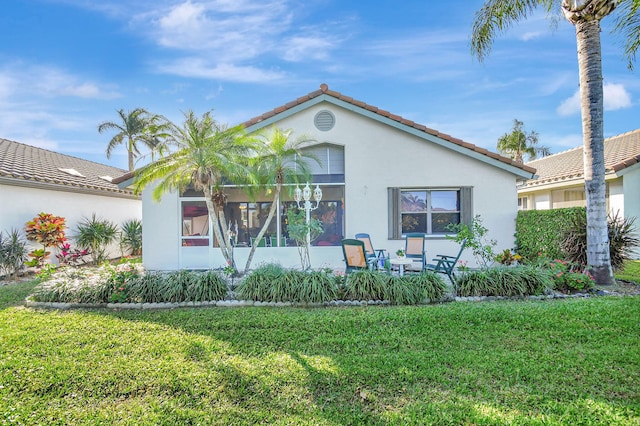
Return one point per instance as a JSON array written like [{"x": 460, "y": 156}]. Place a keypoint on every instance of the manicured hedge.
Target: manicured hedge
[{"x": 540, "y": 232}]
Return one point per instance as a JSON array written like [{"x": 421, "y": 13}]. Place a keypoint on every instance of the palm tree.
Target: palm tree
[
  {"x": 498, "y": 15},
  {"x": 137, "y": 126},
  {"x": 517, "y": 144},
  {"x": 207, "y": 153},
  {"x": 280, "y": 161}
]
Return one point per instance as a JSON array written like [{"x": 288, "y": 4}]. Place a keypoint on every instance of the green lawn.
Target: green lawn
[
  {"x": 559, "y": 362},
  {"x": 630, "y": 272}
]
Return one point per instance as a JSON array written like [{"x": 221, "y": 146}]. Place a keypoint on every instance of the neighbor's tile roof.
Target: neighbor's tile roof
[
  {"x": 619, "y": 152},
  {"x": 30, "y": 164},
  {"x": 324, "y": 90}
]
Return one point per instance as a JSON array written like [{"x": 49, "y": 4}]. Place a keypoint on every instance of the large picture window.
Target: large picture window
[
  {"x": 427, "y": 210},
  {"x": 245, "y": 218}
]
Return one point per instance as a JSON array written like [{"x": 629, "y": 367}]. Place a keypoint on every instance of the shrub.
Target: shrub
[
  {"x": 567, "y": 278},
  {"x": 45, "y": 229},
  {"x": 477, "y": 240},
  {"x": 131, "y": 237},
  {"x": 317, "y": 287},
  {"x": 96, "y": 234},
  {"x": 622, "y": 240},
  {"x": 539, "y": 232},
  {"x": 365, "y": 285},
  {"x": 257, "y": 286},
  {"x": 432, "y": 285},
  {"x": 504, "y": 281},
  {"x": 13, "y": 252}
]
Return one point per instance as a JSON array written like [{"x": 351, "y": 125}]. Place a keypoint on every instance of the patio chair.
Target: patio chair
[
  {"x": 355, "y": 256},
  {"x": 274, "y": 241},
  {"x": 261, "y": 243},
  {"x": 447, "y": 264},
  {"x": 377, "y": 255},
  {"x": 414, "y": 249}
]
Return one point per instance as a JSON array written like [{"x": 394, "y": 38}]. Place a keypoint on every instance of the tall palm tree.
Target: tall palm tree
[
  {"x": 280, "y": 161},
  {"x": 498, "y": 15},
  {"x": 518, "y": 143},
  {"x": 136, "y": 126},
  {"x": 207, "y": 153}
]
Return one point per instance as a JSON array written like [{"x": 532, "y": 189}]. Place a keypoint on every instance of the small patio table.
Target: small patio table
[{"x": 401, "y": 261}]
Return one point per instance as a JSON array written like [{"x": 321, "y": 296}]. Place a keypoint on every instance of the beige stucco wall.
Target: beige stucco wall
[
  {"x": 377, "y": 156},
  {"x": 19, "y": 204}
]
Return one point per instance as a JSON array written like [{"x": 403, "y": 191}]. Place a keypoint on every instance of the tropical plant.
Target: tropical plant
[
  {"x": 131, "y": 237},
  {"x": 280, "y": 161},
  {"x": 568, "y": 277},
  {"x": 365, "y": 285},
  {"x": 518, "y": 143},
  {"x": 48, "y": 230},
  {"x": 95, "y": 234},
  {"x": 504, "y": 281},
  {"x": 137, "y": 127},
  {"x": 299, "y": 229},
  {"x": 13, "y": 252},
  {"x": 476, "y": 239},
  {"x": 498, "y": 15},
  {"x": 623, "y": 239},
  {"x": 207, "y": 156}
]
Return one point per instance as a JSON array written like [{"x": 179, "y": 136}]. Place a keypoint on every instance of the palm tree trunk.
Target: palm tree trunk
[
  {"x": 591, "y": 97},
  {"x": 272, "y": 211},
  {"x": 213, "y": 215},
  {"x": 130, "y": 152}
]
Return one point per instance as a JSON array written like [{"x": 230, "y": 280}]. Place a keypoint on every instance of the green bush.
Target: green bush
[
  {"x": 622, "y": 240},
  {"x": 504, "y": 281},
  {"x": 432, "y": 285},
  {"x": 365, "y": 285},
  {"x": 96, "y": 234},
  {"x": 274, "y": 283},
  {"x": 129, "y": 283},
  {"x": 13, "y": 252},
  {"x": 412, "y": 289},
  {"x": 131, "y": 237},
  {"x": 569, "y": 277},
  {"x": 540, "y": 232}
]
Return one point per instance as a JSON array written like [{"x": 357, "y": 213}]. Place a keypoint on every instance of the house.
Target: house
[
  {"x": 560, "y": 178},
  {"x": 379, "y": 173},
  {"x": 35, "y": 180}
]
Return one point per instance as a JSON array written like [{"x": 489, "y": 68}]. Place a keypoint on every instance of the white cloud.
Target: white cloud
[
  {"x": 615, "y": 97},
  {"x": 532, "y": 35},
  {"x": 199, "y": 68}
]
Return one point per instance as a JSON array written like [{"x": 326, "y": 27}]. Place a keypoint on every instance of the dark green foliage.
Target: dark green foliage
[
  {"x": 257, "y": 286},
  {"x": 274, "y": 283},
  {"x": 131, "y": 237},
  {"x": 365, "y": 285},
  {"x": 96, "y": 234},
  {"x": 539, "y": 232},
  {"x": 432, "y": 284},
  {"x": 505, "y": 281},
  {"x": 623, "y": 238},
  {"x": 13, "y": 252}
]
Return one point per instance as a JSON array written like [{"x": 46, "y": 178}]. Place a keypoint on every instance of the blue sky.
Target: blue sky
[{"x": 68, "y": 65}]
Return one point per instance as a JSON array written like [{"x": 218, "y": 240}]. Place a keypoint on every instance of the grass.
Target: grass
[
  {"x": 630, "y": 272},
  {"x": 530, "y": 362}
]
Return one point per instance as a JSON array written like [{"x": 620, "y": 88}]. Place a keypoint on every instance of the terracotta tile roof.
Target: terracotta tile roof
[
  {"x": 31, "y": 165},
  {"x": 324, "y": 90},
  {"x": 620, "y": 152}
]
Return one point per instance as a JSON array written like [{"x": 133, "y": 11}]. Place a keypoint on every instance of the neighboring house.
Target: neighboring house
[
  {"x": 35, "y": 180},
  {"x": 379, "y": 173},
  {"x": 560, "y": 178}
]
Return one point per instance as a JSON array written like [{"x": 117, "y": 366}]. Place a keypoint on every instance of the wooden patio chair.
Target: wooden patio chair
[
  {"x": 447, "y": 264},
  {"x": 414, "y": 249},
  {"x": 373, "y": 255},
  {"x": 355, "y": 256}
]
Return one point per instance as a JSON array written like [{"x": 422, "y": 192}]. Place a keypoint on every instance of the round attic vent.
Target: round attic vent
[{"x": 324, "y": 120}]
